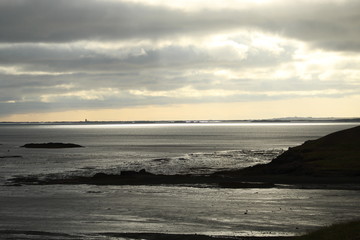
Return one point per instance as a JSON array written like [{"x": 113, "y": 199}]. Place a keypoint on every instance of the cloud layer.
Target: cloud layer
[{"x": 87, "y": 54}]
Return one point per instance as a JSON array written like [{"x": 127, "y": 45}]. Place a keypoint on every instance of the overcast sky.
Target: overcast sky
[{"x": 178, "y": 59}]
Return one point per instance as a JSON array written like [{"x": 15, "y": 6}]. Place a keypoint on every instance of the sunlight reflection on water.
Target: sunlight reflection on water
[
  {"x": 162, "y": 148},
  {"x": 241, "y": 212},
  {"x": 175, "y": 125}
]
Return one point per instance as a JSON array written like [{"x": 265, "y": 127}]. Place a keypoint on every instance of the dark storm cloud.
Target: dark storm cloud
[
  {"x": 64, "y": 20},
  {"x": 333, "y": 25}
]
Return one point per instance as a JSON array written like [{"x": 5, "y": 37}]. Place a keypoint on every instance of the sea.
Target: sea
[{"x": 93, "y": 212}]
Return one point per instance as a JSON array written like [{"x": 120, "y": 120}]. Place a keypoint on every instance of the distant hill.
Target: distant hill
[{"x": 308, "y": 119}]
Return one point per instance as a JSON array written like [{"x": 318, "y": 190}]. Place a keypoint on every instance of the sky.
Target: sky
[{"x": 70, "y": 60}]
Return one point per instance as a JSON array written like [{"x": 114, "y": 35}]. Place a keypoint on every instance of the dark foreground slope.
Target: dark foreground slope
[
  {"x": 343, "y": 231},
  {"x": 334, "y": 158}
]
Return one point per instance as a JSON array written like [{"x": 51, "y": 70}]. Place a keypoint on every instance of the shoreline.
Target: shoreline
[
  {"x": 14, "y": 234},
  {"x": 216, "y": 180},
  {"x": 167, "y": 236}
]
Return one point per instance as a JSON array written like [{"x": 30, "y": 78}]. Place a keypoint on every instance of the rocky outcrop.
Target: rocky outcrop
[
  {"x": 334, "y": 158},
  {"x": 142, "y": 177},
  {"x": 337, "y": 154}
]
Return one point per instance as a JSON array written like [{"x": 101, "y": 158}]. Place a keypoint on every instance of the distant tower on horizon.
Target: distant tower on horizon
[{"x": 86, "y": 120}]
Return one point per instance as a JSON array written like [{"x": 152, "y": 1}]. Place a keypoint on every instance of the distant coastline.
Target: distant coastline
[{"x": 272, "y": 120}]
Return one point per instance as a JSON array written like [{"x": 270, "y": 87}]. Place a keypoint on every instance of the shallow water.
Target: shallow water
[{"x": 86, "y": 211}]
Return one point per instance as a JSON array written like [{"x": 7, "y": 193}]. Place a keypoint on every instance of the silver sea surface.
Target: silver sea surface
[{"x": 85, "y": 210}]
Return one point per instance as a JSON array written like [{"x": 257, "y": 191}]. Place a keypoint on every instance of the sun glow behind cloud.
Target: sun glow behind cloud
[{"x": 198, "y": 5}]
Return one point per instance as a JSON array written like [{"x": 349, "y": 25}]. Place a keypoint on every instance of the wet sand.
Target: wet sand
[
  {"x": 160, "y": 236},
  {"x": 85, "y": 210},
  {"x": 13, "y": 234}
]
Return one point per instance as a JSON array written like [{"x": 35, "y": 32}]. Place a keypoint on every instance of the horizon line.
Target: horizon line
[{"x": 281, "y": 119}]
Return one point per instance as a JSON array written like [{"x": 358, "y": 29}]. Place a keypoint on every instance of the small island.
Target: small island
[{"x": 51, "y": 145}]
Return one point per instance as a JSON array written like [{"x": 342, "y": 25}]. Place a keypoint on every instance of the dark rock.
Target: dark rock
[
  {"x": 98, "y": 176},
  {"x": 142, "y": 172},
  {"x": 246, "y": 185},
  {"x": 51, "y": 145},
  {"x": 161, "y": 160},
  {"x": 128, "y": 173},
  {"x": 102, "y": 176},
  {"x": 12, "y": 156}
]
